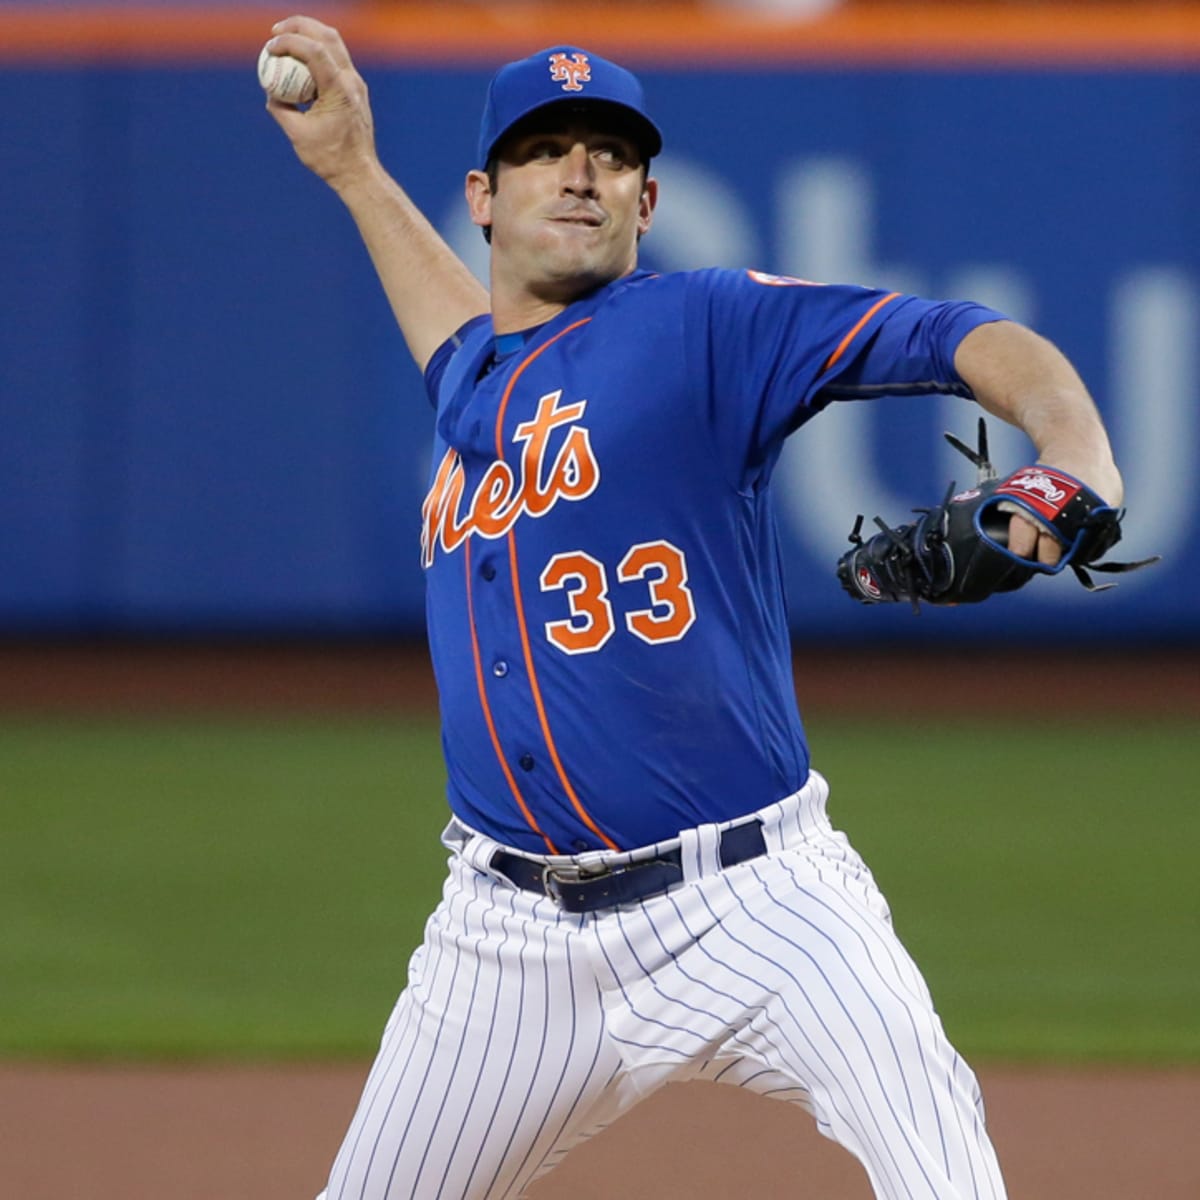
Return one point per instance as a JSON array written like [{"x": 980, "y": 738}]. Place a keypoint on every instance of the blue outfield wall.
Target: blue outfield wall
[{"x": 208, "y": 423}]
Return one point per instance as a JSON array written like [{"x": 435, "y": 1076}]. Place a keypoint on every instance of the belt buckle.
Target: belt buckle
[{"x": 553, "y": 877}]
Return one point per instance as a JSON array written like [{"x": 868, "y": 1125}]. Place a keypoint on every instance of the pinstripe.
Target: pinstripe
[
  {"x": 819, "y": 1010},
  {"x": 835, "y": 1044},
  {"x": 478, "y": 949},
  {"x": 438, "y": 1037},
  {"x": 407, "y": 1029},
  {"x": 800, "y": 1069},
  {"x": 747, "y": 1010},
  {"x": 751, "y": 1014},
  {"x": 512, "y": 1057},
  {"x": 397, "y": 1089},
  {"x": 903, "y": 968},
  {"x": 483, "y": 1057},
  {"x": 529, "y": 1122},
  {"x": 858, "y": 931},
  {"x": 523, "y": 1028},
  {"x": 390, "y": 1084},
  {"x": 897, "y": 978},
  {"x": 754, "y": 1010},
  {"x": 656, "y": 977},
  {"x": 550, "y": 1105},
  {"x": 562, "y": 1140},
  {"x": 372, "y": 1093},
  {"x": 977, "y": 1128},
  {"x": 868, "y": 994},
  {"x": 535, "y": 1136}
]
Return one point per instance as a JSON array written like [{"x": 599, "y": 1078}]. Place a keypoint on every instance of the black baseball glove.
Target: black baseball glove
[{"x": 957, "y": 552}]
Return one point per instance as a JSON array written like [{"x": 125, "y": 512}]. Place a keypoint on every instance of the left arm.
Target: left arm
[{"x": 1023, "y": 379}]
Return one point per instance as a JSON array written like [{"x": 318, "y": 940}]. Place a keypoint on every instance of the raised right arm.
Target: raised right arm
[{"x": 429, "y": 288}]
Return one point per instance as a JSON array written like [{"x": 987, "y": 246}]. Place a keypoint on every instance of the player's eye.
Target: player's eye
[
  {"x": 613, "y": 154},
  {"x": 543, "y": 148}
]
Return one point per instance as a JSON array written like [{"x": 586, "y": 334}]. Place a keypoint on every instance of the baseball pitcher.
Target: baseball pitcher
[{"x": 643, "y": 882}]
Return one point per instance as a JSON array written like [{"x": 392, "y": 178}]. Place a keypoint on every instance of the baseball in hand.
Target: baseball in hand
[{"x": 285, "y": 78}]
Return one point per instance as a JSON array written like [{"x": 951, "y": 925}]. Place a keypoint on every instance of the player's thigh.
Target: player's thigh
[
  {"x": 495, "y": 1054},
  {"x": 842, "y": 998},
  {"x": 845, "y": 1013}
]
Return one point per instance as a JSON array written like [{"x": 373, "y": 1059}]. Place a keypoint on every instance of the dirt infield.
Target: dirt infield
[
  {"x": 243, "y": 1133},
  {"x": 269, "y": 1134},
  {"x": 355, "y": 676}
]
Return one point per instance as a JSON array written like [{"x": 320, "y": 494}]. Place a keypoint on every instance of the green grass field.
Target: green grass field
[{"x": 212, "y": 888}]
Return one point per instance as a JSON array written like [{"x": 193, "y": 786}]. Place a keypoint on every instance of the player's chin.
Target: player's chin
[
  {"x": 580, "y": 263},
  {"x": 597, "y": 259},
  {"x": 574, "y": 242}
]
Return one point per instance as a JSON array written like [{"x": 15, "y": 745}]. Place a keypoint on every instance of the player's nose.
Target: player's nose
[{"x": 578, "y": 172}]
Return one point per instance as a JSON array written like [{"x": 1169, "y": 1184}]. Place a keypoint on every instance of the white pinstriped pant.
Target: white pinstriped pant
[{"x": 524, "y": 1030}]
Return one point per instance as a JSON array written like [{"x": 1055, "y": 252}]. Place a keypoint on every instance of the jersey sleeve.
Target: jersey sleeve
[
  {"x": 765, "y": 353},
  {"x": 435, "y": 368},
  {"x": 911, "y": 352}
]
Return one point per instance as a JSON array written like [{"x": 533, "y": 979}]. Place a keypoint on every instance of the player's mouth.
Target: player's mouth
[{"x": 579, "y": 216}]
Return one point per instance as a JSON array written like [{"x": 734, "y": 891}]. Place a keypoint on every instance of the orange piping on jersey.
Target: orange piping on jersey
[
  {"x": 857, "y": 328},
  {"x": 517, "y": 375},
  {"x": 526, "y": 648},
  {"x": 487, "y": 713}
]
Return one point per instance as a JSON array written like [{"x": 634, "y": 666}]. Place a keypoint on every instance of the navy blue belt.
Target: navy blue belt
[{"x": 576, "y": 892}]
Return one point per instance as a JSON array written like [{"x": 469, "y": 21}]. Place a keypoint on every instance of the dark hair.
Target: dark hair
[{"x": 492, "y": 170}]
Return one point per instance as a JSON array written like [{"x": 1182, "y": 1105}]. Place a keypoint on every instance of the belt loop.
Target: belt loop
[
  {"x": 797, "y": 818},
  {"x": 815, "y": 794},
  {"x": 455, "y": 836},
  {"x": 700, "y": 852},
  {"x": 477, "y": 851}
]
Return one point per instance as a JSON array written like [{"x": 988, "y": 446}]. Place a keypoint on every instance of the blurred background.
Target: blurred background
[
  {"x": 220, "y": 781},
  {"x": 209, "y": 427}
]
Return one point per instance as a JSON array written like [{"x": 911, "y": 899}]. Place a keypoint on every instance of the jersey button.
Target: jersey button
[
  {"x": 488, "y": 571},
  {"x": 526, "y": 761},
  {"x": 500, "y": 668}
]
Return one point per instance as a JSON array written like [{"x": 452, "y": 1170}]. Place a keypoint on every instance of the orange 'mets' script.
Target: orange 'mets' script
[{"x": 501, "y": 497}]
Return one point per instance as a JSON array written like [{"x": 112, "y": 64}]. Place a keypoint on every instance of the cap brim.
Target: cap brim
[{"x": 633, "y": 124}]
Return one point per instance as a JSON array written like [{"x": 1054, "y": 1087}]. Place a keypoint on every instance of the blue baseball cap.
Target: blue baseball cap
[{"x": 557, "y": 75}]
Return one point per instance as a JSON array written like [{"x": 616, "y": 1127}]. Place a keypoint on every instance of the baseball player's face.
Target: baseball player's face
[{"x": 568, "y": 207}]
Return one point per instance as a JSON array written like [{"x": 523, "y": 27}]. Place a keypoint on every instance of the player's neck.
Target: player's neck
[
  {"x": 514, "y": 317},
  {"x": 523, "y": 305}
]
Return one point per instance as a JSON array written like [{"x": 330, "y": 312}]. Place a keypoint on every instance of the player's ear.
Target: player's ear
[
  {"x": 479, "y": 198},
  {"x": 646, "y": 205}
]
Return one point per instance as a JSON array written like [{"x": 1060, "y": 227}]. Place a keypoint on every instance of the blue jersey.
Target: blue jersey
[{"x": 605, "y": 604}]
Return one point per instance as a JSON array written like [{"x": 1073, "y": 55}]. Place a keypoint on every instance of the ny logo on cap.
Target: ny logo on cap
[{"x": 571, "y": 72}]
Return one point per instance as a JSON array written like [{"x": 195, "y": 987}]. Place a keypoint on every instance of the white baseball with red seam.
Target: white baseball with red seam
[{"x": 285, "y": 78}]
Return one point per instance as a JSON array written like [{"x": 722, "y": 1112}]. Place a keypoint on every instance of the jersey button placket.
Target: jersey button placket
[{"x": 495, "y": 602}]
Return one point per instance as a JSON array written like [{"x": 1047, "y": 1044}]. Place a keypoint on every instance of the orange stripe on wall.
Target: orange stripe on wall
[{"x": 882, "y": 32}]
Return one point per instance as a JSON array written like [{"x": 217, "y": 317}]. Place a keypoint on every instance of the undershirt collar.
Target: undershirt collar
[
  {"x": 506, "y": 344},
  {"x": 509, "y": 343}
]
